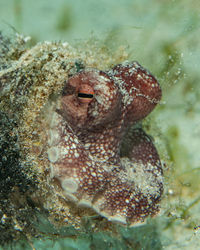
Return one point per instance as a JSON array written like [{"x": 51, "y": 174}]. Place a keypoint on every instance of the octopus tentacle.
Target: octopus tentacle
[
  {"x": 143, "y": 150},
  {"x": 141, "y": 90},
  {"x": 80, "y": 177}
]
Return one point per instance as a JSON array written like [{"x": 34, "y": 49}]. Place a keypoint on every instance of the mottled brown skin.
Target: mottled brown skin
[
  {"x": 145, "y": 89},
  {"x": 94, "y": 114}
]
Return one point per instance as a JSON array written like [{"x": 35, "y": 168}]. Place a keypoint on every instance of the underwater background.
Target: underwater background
[{"x": 163, "y": 36}]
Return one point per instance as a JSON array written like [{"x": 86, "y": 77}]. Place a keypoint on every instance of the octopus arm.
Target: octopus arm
[{"x": 140, "y": 89}]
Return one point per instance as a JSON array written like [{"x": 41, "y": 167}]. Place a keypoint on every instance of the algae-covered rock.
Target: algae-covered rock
[{"x": 31, "y": 81}]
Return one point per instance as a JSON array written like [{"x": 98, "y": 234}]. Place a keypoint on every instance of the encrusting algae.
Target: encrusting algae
[{"x": 70, "y": 141}]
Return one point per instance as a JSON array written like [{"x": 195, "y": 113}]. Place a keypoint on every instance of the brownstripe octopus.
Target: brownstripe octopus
[{"x": 99, "y": 155}]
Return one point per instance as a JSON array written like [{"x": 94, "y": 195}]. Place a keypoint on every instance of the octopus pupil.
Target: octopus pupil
[{"x": 83, "y": 95}]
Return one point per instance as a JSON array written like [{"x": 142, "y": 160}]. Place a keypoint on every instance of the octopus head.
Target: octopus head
[{"x": 90, "y": 99}]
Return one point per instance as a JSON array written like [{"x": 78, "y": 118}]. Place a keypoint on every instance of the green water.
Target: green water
[{"x": 164, "y": 37}]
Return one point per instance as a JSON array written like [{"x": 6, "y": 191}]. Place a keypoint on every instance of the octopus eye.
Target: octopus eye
[{"x": 85, "y": 93}]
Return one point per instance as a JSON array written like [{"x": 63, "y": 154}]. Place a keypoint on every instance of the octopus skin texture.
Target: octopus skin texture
[{"x": 89, "y": 128}]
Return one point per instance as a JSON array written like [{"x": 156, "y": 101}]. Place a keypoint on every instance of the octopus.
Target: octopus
[{"x": 99, "y": 154}]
